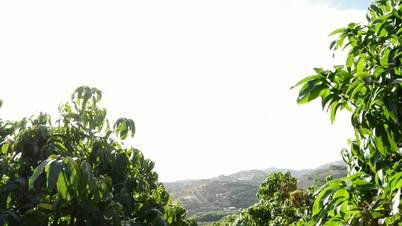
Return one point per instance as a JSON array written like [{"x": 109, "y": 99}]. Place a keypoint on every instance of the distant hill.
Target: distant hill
[{"x": 238, "y": 190}]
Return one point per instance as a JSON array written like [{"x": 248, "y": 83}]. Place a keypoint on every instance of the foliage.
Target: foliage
[
  {"x": 280, "y": 203},
  {"x": 212, "y": 216},
  {"x": 203, "y": 198},
  {"x": 369, "y": 85},
  {"x": 77, "y": 171}
]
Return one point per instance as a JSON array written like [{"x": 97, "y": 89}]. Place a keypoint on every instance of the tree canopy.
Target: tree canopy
[
  {"x": 77, "y": 171},
  {"x": 369, "y": 85}
]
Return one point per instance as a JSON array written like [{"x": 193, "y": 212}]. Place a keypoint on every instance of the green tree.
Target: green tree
[
  {"x": 280, "y": 204},
  {"x": 77, "y": 171},
  {"x": 369, "y": 85}
]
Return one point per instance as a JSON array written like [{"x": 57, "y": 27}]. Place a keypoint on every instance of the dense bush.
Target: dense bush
[{"x": 77, "y": 171}]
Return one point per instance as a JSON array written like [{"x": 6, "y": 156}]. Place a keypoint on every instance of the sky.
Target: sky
[
  {"x": 206, "y": 82},
  {"x": 345, "y": 4}
]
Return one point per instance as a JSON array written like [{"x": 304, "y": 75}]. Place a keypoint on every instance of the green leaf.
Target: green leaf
[
  {"x": 360, "y": 65},
  {"x": 328, "y": 99},
  {"x": 357, "y": 89},
  {"x": 312, "y": 77},
  {"x": 339, "y": 30},
  {"x": 352, "y": 86},
  {"x": 52, "y": 173},
  {"x": 4, "y": 148},
  {"x": 384, "y": 58},
  {"x": 62, "y": 186},
  {"x": 341, "y": 193},
  {"x": 334, "y": 107},
  {"x": 46, "y": 206},
  {"x": 380, "y": 145},
  {"x": 333, "y": 43},
  {"x": 396, "y": 181},
  {"x": 311, "y": 92},
  {"x": 123, "y": 126},
  {"x": 335, "y": 222},
  {"x": 38, "y": 171},
  {"x": 350, "y": 60}
]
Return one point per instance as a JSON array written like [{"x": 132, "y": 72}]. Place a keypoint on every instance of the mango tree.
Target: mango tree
[
  {"x": 369, "y": 85},
  {"x": 77, "y": 171}
]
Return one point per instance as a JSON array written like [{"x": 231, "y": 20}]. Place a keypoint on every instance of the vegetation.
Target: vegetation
[
  {"x": 280, "y": 203},
  {"x": 369, "y": 85},
  {"x": 212, "y": 216},
  {"x": 209, "y": 200},
  {"x": 77, "y": 171}
]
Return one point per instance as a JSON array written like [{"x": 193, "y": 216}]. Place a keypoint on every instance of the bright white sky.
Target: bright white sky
[{"x": 207, "y": 82}]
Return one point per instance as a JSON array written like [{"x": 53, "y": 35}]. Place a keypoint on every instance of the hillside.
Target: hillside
[{"x": 238, "y": 190}]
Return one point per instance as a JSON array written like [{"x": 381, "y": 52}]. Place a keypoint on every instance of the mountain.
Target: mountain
[{"x": 238, "y": 190}]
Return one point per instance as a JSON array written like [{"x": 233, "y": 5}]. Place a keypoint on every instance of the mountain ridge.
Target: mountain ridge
[{"x": 238, "y": 190}]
